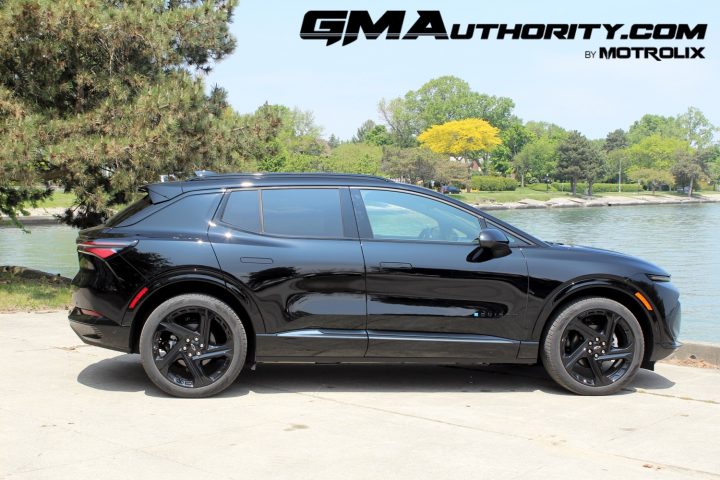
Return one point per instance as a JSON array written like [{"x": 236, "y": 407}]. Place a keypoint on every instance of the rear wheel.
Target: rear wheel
[
  {"x": 193, "y": 345},
  {"x": 594, "y": 346}
]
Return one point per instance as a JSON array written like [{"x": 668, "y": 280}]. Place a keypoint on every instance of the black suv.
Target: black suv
[{"x": 207, "y": 276}]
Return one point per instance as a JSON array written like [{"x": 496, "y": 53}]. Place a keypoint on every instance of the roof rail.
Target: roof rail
[{"x": 218, "y": 176}]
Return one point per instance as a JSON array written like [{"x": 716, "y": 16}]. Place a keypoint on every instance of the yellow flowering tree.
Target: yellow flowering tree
[{"x": 463, "y": 139}]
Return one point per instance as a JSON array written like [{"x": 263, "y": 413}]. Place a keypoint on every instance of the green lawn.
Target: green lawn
[
  {"x": 58, "y": 199},
  {"x": 17, "y": 293},
  {"x": 509, "y": 196}
]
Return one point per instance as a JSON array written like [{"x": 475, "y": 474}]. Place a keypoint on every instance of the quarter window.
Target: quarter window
[
  {"x": 302, "y": 212},
  {"x": 404, "y": 216}
]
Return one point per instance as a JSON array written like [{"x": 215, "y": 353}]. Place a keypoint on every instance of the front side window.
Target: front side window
[
  {"x": 404, "y": 216},
  {"x": 302, "y": 212},
  {"x": 242, "y": 210}
]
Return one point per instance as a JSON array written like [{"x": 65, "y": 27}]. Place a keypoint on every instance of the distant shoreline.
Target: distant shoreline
[{"x": 607, "y": 201}]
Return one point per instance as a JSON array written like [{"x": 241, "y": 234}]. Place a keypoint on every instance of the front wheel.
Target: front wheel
[
  {"x": 594, "y": 346},
  {"x": 193, "y": 346}
]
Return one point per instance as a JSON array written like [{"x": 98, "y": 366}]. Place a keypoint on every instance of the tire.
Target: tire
[
  {"x": 594, "y": 346},
  {"x": 193, "y": 346}
]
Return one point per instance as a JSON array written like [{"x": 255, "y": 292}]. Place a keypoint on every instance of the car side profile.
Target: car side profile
[{"x": 207, "y": 276}]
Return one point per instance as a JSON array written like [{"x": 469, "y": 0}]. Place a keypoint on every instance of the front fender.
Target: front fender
[{"x": 619, "y": 288}]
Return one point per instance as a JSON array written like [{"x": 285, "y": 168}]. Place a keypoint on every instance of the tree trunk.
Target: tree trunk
[
  {"x": 573, "y": 185},
  {"x": 691, "y": 186},
  {"x": 522, "y": 180},
  {"x": 589, "y": 188}
]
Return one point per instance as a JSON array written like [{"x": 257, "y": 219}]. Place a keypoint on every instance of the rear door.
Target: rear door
[
  {"x": 298, "y": 252},
  {"x": 426, "y": 298}
]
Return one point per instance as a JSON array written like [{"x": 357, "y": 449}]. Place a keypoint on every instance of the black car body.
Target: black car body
[{"x": 347, "y": 268}]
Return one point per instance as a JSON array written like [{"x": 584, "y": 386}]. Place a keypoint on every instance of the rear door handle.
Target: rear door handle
[{"x": 395, "y": 265}]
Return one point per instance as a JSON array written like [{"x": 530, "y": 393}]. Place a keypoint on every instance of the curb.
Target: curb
[{"x": 700, "y": 353}]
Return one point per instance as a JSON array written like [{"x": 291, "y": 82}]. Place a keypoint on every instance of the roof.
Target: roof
[{"x": 160, "y": 192}]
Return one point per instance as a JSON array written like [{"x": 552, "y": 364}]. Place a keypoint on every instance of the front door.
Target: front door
[{"x": 425, "y": 298}]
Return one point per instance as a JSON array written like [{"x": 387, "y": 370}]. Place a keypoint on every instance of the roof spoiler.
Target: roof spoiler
[{"x": 162, "y": 192}]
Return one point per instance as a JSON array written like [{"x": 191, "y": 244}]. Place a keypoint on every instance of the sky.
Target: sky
[{"x": 548, "y": 80}]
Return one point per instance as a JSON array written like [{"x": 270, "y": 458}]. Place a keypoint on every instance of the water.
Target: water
[
  {"x": 683, "y": 239},
  {"x": 50, "y": 248}
]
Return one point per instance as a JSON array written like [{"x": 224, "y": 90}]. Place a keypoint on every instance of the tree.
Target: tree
[
  {"x": 372, "y": 134},
  {"x": 396, "y": 116},
  {"x": 697, "y": 129},
  {"x": 355, "y": 158},
  {"x": 104, "y": 100},
  {"x": 579, "y": 158},
  {"x": 363, "y": 131},
  {"x": 333, "y": 141},
  {"x": 462, "y": 139},
  {"x": 656, "y": 151},
  {"x": 649, "y": 125},
  {"x": 514, "y": 138},
  {"x": 615, "y": 140},
  {"x": 439, "y": 101},
  {"x": 691, "y": 167},
  {"x": 538, "y": 157},
  {"x": 651, "y": 177},
  {"x": 452, "y": 173},
  {"x": 411, "y": 165}
]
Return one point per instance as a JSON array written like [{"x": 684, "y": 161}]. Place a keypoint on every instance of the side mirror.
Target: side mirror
[{"x": 492, "y": 243}]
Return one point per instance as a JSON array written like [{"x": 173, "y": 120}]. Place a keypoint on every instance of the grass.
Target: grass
[
  {"x": 58, "y": 199},
  {"x": 17, "y": 293},
  {"x": 508, "y": 196}
]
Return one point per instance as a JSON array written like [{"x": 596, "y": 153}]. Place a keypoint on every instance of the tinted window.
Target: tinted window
[
  {"x": 129, "y": 211},
  {"x": 189, "y": 213},
  {"x": 514, "y": 241},
  {"x": 403, "y": 216},
  {"x": 302, "y": 212},
  {"x": 243, "y": 210}
]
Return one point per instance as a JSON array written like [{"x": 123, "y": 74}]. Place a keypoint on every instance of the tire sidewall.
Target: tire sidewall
[
  {"x": 552, "y": 345},
  {"x": 193, "y": 300}
]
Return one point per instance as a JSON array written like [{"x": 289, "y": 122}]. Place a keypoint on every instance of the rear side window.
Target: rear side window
[
  {"x": 187, "y": 214},
  {"x": 302, "y": 212},
  {"x": 129, "y": 211},
  {"x": 242, "y": 210}
]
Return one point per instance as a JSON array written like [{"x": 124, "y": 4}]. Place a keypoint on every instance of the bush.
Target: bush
[
  {"x": 492, "y": 184},
  {"x": 598, "y": 187}
]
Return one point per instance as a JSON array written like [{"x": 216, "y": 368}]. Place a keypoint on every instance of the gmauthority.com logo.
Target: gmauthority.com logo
[{"x": 335, "y": 26}]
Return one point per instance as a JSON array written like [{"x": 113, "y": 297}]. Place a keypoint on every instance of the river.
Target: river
[{"x": 680, "y": 238}]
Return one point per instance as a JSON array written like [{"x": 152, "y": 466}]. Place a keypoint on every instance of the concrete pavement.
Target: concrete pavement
[{"x": 72, "y": 411}]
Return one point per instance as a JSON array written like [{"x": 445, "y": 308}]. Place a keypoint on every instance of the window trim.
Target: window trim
[
  {"x": 365, "y": 229},
  {"x": 347, "y": 217}
]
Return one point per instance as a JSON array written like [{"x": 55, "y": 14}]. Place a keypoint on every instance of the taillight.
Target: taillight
[{"x": 104, "y": 248}]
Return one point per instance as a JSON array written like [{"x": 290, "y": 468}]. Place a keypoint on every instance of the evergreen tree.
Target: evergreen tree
[{"x": 99, "y": 97}]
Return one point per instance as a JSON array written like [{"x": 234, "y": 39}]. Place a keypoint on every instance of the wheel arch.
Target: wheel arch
[
  {"x": 614, "y": 290},
  {"x": 229, "y": 292}
]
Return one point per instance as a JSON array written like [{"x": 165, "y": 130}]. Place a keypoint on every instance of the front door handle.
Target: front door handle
[{"x": 396, "y": 265}]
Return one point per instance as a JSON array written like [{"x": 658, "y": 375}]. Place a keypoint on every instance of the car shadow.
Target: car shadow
[{"x": 125, "y": 373}]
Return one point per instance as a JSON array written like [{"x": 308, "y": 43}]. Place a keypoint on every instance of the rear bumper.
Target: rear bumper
[{"x": 100, "y": 331}]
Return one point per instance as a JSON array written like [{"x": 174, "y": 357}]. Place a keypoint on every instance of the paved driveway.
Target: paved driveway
[{"x": 73, "y": 411}]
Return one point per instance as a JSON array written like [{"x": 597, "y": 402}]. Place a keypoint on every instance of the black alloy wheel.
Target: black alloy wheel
[
  {"x": 594, "y": 346},
  {"x": 193, "y": 346}
]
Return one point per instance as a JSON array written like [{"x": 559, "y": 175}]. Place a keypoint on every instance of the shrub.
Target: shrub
[
  {"x": 492, "y": 184},
  {"x": 598, "y": 187}
]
